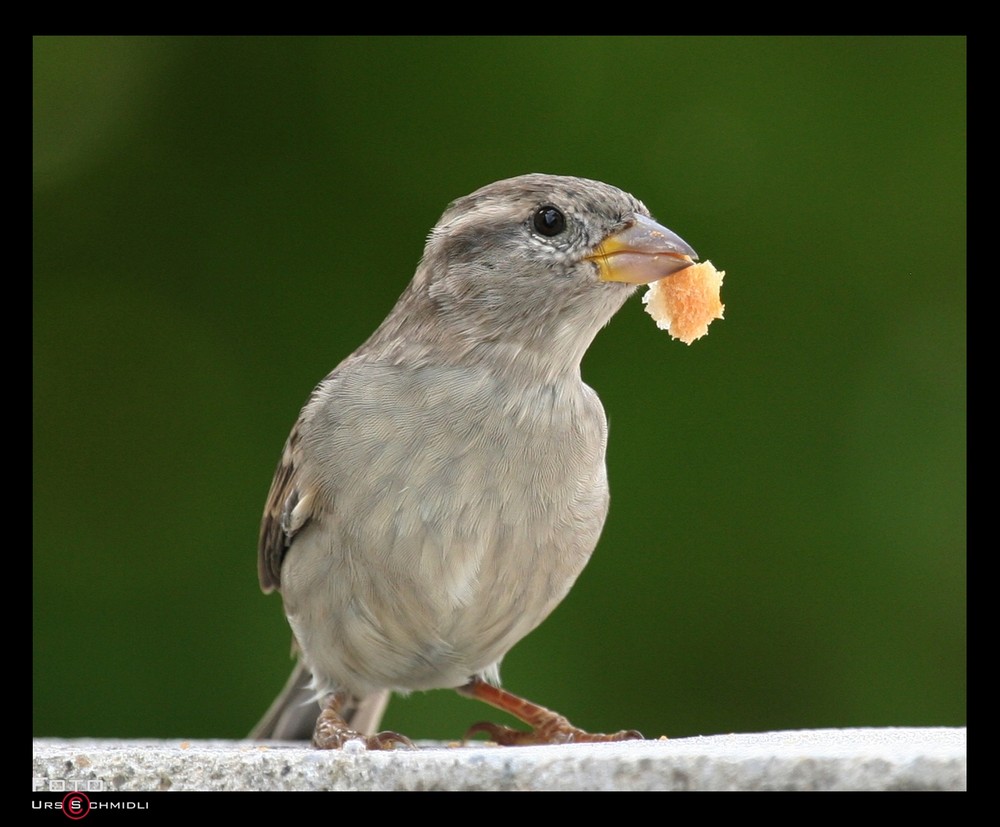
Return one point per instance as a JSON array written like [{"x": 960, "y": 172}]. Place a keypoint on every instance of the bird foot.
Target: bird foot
[
  {"x": 547, "y": 727},
  {"x": 557, "y": 730},
  {"x": 333, "y": 732},
  {"x": 329, "y": 737}
]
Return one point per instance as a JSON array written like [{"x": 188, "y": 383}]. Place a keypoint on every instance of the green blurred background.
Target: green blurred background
[{"x": 218, "y": 221}]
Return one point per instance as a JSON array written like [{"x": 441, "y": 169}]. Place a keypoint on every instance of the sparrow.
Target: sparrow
[{"x": 445, "y": 484}]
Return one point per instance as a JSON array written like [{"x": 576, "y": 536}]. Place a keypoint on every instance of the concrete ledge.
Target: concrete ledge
[{"x": 830, "y": 759}]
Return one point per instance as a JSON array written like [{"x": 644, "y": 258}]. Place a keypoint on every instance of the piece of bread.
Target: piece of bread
[{"x": 686, "y": 303}]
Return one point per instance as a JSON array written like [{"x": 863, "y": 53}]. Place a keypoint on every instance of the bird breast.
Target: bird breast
[{"x": 462, "y": 508}]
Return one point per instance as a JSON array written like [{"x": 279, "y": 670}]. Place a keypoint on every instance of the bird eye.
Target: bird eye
[{"x": 549, "y": 221}]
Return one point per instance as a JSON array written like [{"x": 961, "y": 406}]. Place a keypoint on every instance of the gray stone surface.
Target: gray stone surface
[{"x": 830, "y": 759}]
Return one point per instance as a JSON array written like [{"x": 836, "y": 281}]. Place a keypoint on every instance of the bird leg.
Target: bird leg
[
  {"x": 332, "y": 731},
  {"x": 547, "y": 727}
]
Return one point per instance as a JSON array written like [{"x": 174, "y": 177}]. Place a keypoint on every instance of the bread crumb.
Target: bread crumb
[{"x": 687, "y": 302}]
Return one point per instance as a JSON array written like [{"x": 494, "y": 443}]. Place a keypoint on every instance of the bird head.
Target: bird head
[{"x": 532, "y": 267}]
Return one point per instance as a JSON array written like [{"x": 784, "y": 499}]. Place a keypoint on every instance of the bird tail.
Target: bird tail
[{"x": 292, "y": 716}]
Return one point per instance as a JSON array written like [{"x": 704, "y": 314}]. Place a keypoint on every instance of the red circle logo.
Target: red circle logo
[{"x": 75, "y": 805}]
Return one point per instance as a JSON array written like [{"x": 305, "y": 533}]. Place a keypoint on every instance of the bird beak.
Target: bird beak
[{"x": 643, "y": 252}]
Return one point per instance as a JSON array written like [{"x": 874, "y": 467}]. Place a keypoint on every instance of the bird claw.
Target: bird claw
[
  {"x": 385, "y": 740},
  {"x": 558, "y": 730},
  {"x": 329, "y": 735},
  {"x": 547, "y": 727},
  {"x": 333, "y": 732}
]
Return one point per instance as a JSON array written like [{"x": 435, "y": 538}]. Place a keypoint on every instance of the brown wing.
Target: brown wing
[{"x": 288, "y": 509}]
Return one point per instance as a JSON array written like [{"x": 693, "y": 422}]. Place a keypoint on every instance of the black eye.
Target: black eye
[{"x": 549, "y": 221}]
